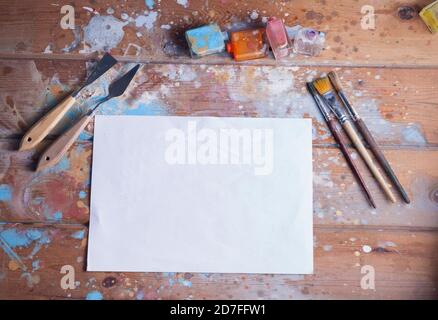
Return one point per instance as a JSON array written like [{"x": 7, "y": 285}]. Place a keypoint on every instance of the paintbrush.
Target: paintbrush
[
  {"x": 42, "y": 128},
  {"x": 325, "y": 89},
  {"x": 363, "y": 129},
  {"x": 340, "y": 140}
]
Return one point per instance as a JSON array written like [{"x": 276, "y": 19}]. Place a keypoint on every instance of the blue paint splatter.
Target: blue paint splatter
[
  {"x": 139, "y": 295},
  {"x": 85, "y": 136},
  {"x": 33, "y": 234},
  {"x": 5, "y": 193},
  {"x": 82, "y": 194},
  {"x": 15, "y": 239},
  {"x": 173, "y": 278},
  {"x": 57, "y": 215},
  {"x": 35, "y": 265},
  {"x": 150, "y": 4},
  {"x": 185, "y": 283},
  {"x": 146, "y": 109},
  {"x": 413, "y": 134},
  {"x": 78, "y": 235},
  {"x": 62, "y": 165},
  {"x": 94, "y": 295}
]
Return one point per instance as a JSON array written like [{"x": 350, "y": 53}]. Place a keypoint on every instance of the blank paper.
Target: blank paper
[{"x": 201, "y": 194}]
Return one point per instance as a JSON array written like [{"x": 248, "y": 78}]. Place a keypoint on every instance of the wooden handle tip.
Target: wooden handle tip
[
  {"x": 26, "y": 143},
  {"x": 334, "y": 79}
]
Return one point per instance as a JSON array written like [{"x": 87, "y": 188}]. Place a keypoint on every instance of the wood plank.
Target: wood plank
[
  {"x": 404, "y": 262},
  {"x": 398, "y": 105},
  {"x": 61, "y": 194},
  {"x": 400, "y": 38}
]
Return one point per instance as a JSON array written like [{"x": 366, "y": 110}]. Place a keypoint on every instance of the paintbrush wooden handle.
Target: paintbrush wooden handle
[
  {"x": 368, "y": 160},
  {"x": 381, "y": 157},
  {"x": 341, "y": 141},
  {"x": 42, "y": 128},
  {"x": 58, "y": 148}
]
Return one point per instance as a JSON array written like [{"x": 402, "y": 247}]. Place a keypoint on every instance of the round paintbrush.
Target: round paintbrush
[
  {"x": 325, "y": 89},
  {"x": 366, "y": 134}
]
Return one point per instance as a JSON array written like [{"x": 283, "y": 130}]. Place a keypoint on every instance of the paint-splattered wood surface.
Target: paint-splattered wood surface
[
  {"x": 405, "y": 264},
  {"x": 390, "y": 74},
  {"x": 398, "y": 104},
  {"x": 155, "y": 31},
  {"x": 61, "y": 194}
]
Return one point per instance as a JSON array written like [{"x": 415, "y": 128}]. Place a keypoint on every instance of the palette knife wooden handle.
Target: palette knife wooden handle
[
  {"x": 42, "y": 128},
  {"x": 58, "y": 148},
  {"x": 368, "y": 160}
]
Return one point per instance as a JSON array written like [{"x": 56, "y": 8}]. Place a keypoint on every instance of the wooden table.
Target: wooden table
[{"x": 390, "y": 74}]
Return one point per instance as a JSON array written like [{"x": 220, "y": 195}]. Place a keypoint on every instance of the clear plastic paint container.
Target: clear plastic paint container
[
  {"x": 308, "y": 41},
  {"x": 206, "y": 40}
]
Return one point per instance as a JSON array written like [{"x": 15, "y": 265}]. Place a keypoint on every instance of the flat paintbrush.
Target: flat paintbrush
[
  {"x": 340, "y": 140},
  {"x": 325, "y": 90},
  {"x": 367, "y": 136}
]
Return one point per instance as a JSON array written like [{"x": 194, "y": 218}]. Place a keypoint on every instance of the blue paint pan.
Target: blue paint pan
[{"x": 206, "y": 40}]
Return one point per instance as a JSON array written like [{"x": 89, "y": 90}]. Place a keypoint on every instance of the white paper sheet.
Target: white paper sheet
[{"x": 168, "y": 196}]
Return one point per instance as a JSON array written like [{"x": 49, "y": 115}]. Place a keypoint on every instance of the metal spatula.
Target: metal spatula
[
  {"x": 42, "y": 128},
  {"x": 58, "y": 148}
]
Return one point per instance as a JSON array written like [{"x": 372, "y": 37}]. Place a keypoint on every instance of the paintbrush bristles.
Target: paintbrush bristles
[
  {"x": 322, "y": 85},
  {"x": 334, "y": 79}
]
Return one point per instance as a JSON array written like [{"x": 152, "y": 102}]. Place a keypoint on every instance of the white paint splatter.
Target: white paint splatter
[
  {"x": 165, "y": 27},
  {"x": 383, "y": 129},
  {"x": 48, "y": 49},
  {"x": 366, "y": 249},
  {"x": 323, "y": 180},
  {"x": 254, "y": 15},
  {"x": 147, "y": 20},
  {"x": 183, "y": 73},
  {"x": 104, "y": 33},
  {"x": 327, "y": 247},
  {"x": 90, "y": 10},
  {"x": 184, "y": 3}
]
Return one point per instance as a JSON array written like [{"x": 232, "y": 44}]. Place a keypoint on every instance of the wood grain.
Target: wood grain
[
  {"x": 28, "y": 27},
  {"x": 398, "y": 105},
  {"x": 338, "y": 200},
  {"x": 389, "y": 74},
  {"x": 364, "y": 153},
  {"x": 405, "y": 264}
]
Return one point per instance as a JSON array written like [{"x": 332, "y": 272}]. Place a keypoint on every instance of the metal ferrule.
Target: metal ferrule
[
  {"x": 353, "y": 114},
  {"x": 335, "y": 107},
  {"x": 319, "y": 102}
]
